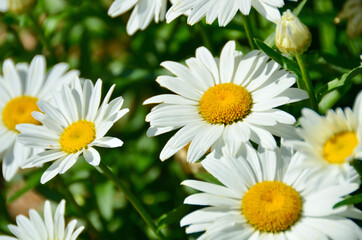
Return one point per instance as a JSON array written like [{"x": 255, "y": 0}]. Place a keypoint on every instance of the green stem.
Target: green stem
[
  {"x": 43, "y": 39},
  {"x": 248, "y": 32},
  {"x": 307, "y": 82},
  {"x": 204, "y": 37},
  {"x": 132, "y": 199},
  {"x": 16, "y": 36}
]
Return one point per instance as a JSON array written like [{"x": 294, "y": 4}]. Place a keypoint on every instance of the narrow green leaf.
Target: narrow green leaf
[
  {"x": 351, "y": 200},
  {"x": 270, "y": 40},
  {"x": 31, "y": 182},
  {"x": 297, "y": 10},
  {"x": 285, "y": 62},
  {"x": 338, "y": 82}
]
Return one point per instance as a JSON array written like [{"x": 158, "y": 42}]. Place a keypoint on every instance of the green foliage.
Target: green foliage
[
  {"x": 80, "y": 33},
  {"x": 339, "y": 82},
  {"x": 350, "y": 201},
  {"x": 32, "y": 182}
]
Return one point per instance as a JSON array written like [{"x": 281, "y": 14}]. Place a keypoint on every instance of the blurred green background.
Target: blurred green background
[{"x": 81, "y": 33}]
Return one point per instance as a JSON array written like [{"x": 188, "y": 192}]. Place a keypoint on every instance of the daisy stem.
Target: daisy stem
[
  {"x": 42, "y": 38},
  {"x": 132, "y": 199},
  {"x": 307, "y": 82},
  {"x": 248, "y": 32},
  {"x": 204, "y": 37}
]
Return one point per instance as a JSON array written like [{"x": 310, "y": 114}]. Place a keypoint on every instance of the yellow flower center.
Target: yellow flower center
[
  {"x": 272, "y": 206},
  {"x": 339, "y": 147},
  {"x": 77, "y": 136},
  {"x": 18, "y": 110},
  {"x": 225, "y": 103}
]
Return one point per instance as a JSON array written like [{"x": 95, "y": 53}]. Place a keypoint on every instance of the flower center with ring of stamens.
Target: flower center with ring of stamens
[
  {"x": 339, "y": 147},
  {"x": 225, "y": 103},
  {"x": 18, "y": 110},
  {"x": 77, "y": 136},
  {"x": 272, "y": 206}
]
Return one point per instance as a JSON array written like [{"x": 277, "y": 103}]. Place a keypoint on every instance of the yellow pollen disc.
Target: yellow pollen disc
[
  {"x": 271, "y": 206},
  {"x": 339, "y": 147},
  {"x": 225, "y": 103},
  {"x": 18, "y": 110},
  {"x": 77, "y": 136}
]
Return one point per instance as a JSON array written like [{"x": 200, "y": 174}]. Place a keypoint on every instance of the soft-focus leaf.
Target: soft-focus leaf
[
  {"x": 338, "y": 82},
  {"x": 105, "y": 195},
  {"x": 172, "y": 217},
  {"x": 31, "y": 182}
]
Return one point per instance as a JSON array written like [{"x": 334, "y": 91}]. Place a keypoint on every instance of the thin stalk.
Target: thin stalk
[
  {"x": 307, "y": 82},
  {"x": 204, "y": 37},
  {"x": 17, "y": 38},
  {"x": 248, "y": 32},
  {"x": 42, "y": 38},
  {"x": 132, "y": 199}
]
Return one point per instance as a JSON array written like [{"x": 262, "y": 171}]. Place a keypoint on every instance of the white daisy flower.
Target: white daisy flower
[
  {"x": 232, "y": 98},
  {"x": 330, "y": 142},
  {"x": 143, "y": 13},
  {"x": 49, "y": 228},
  {"x": 21, "y": 86},
  {"x": 265, "y": 195},
  {"x": 223, "y": 10},
  {"x": 72, "y": 126},
  {"x": 16, "y": 6}
]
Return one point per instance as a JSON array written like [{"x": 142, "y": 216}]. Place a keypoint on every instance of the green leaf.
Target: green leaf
[
  {"x": 31, "y": 182},
  {"x": 351, "y": 200},
  {"x": 298, "y": 9},
  {"x": 338, "y": 82},
  {"x": 104, "y": 196},
  {"x": 172, "y": 217},
  {"x": 357, "y": 164},
  {"x": 285, "y": 62}
]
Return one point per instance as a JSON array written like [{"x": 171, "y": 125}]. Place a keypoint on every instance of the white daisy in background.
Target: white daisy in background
[
  {"x": 21, "y": 86},
  {"x": 233, "y": 99},
  {"x": 72, "y": 126},
  {"x": 49, "y": 228},
  {"x": 330, "y": 142},
  {"x": 143, "y": 13},
  {"x": 265, "y": 195},
  {"x": 223, "y": 10}
]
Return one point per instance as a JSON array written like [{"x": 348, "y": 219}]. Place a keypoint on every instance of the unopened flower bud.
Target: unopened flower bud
[
  {"x": 19, "y": 6},
  {"x": 292, "y": 36}
]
